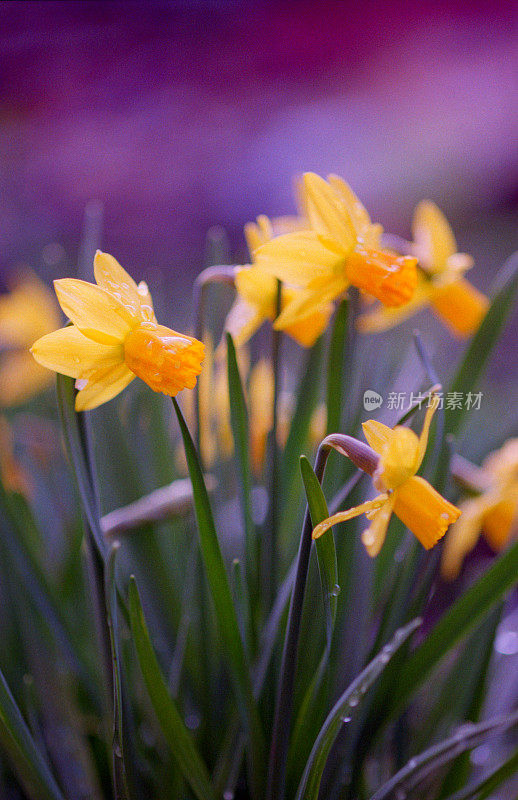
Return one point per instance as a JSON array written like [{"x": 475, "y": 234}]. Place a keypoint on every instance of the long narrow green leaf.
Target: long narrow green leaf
[
  {"x": 424, "y": 765},
  {"x": 182, "y": 747},
  {"x": 456, "y": 623},
  {"x": 344, "y": 709},
  {"x": 481, "y": 346},
  {"x": 239, "y": 423},
  {"x": 224, "y": 607},
  {"x": 325, "y": 545},
  {"x": 32, "y": 769},
  {"x": 119, "y": 769}
]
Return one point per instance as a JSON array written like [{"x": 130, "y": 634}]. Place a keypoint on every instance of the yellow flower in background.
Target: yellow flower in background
[
  {"x": 423, "y": 510},
  {"x": 441, "y": 281},
  {"x": 115, "y": 337},
  {"x": 256, "y": 300},
  {"x": 28, "y": 311},
  {"x": 493, "y": 514},
  {"x": 340, "y": 249}
]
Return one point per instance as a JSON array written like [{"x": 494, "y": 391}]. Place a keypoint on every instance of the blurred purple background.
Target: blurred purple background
[{"x": 179, "y": 116}]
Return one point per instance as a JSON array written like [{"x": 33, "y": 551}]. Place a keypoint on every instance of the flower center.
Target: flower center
[{"x": 166, "y": 360}]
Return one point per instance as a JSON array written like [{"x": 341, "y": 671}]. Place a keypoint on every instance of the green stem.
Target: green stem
[{"x": 269, "y": 556}]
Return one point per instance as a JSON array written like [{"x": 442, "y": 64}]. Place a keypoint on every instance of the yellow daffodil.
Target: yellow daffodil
[
  {"x": 493, "y": 514},
  {"x": 441, "y": 281},
  {"x": 423, "y": 510},
  {"x": 256, "y": 290},
  {"x": 341, "y": 248},
  {"x": 28, "y": 311},
  {"x": 114, "y": 338}
]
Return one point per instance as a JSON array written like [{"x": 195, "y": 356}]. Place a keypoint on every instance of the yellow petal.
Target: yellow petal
[
  {"x": 95, "y": 312},
  {"x": 376, "y": 533},
  {"x": 423, "y": 438},
  {"x": 383, "y": 318},
  {"x": 309, "y": 302},
  {"x": 111, "y": 276},
  {"x": 424, "y": 511},
  {"x": 501, "y": 522},
  {"x": 461, "y": 306},
  {"x": 307, "y": 330},
  {"x": 377, "y": 434},
  {"x": 433, "y": 236},
  {"x": 328, "y": 213},
  {"x": 298, "y": 258},
  {"x": 21, "y": 378},
  {"x": 343, "y": 516},
  {"x": 242, "y": 321},
  {"x": 257, "y": 233},
  {"x": 398, "y": 459},
  {"x": 356, "y": 210},
  {"x": 69, "y": 352},
  {"x": 103, "y": 385},
  {"x": 462, "y": 537},
  {"x": 27, "y": 312},
  {"x": 258, "y": 288}
]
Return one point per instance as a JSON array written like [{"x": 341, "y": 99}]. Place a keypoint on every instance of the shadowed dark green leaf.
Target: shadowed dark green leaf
[
  {"x": 183, "y": 748},
  {"x": 224, "y": 607},
  {"x": 32, "y": 769},
  {"x": 119, "y": 770}
]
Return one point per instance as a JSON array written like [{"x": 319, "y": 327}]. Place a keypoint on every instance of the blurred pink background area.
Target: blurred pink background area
[{"x": 181, "y": 115}]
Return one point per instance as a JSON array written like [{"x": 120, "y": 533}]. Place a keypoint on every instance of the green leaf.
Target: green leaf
[
  {"x": 325, "y": 545},
  {"x": 456, "y": 623},
  {"x": 481, "y": 346},
  {"x": 335, "y": 367},
  {"x": 424, "y": 765},
  {"x": 182, "y": 746},
  {"x": 344, "y": 709},
  {"x": 239, "y": 423},
  {"x": 119, "y": 769},
  {"x": 32, "y": 769},
  {"x": 224, "y": 607},
  {"x": 307, "y": 397}
]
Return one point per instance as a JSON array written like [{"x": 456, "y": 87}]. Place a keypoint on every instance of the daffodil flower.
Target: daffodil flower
[
  {"x": 340, "y": 248},
  {"x": 256, "y": 289},
  {"x": 493, "y": 514},
  {"x": 114, "y": 338},
  {"x": 28, "y": 311},
  {"x": 441, "y": 282},
  {"x": 417, "y": 504}
]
